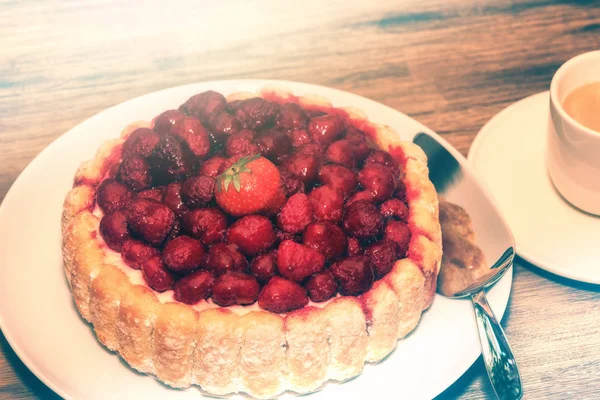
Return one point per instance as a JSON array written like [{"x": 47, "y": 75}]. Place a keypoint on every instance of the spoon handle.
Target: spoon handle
[{"x": 497, "y": 356}]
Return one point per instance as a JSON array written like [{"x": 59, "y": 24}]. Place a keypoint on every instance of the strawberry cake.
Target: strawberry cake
[{"x": 256, "y": 243}]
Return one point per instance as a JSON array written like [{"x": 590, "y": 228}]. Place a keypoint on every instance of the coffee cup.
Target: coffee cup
[{"x": 573, "y": 149}]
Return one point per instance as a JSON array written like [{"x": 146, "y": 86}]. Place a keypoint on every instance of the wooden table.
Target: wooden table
[{"x": 452, "y": 64}]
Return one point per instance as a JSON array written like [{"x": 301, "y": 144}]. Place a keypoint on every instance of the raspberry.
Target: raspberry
[
  {"x": 353, "y": 274},
  {"x": 281, "y": 295},
  {"x": 263, "y": 267},
  {"x": 152, "y": 194},
  {"x": 172, "y": 198},
  {"x": 150, "y": 220},
  {"x": 340, "y": 152},
  {"x": 224, "y": 123},
  {"x": 235, "y": 288},
  {"x": 170, "y": 161},
  {"x": 191, "y": 131},
  {"x": 291, "y": 116},
  {"x": 383, "y": 257},
  {"x": 165, "y": 121},
  {"x": 253, "y": 234},
  {"x": 399, "y": 233},
  {"x": 321, "y": 286},
  {"x": 141, "y": 142},
  {"x": 207, "y": 224},
  {"x": 112, "y": 195},
  {"x": 296, "y": 214},
  {"x": 328, "y": 203},
  {"x": 156, "y": 274},
  {"x": 273, "y": 144},
  {"x": 197, "y": 191},
  {"x": 183, "y": 254},
  {"x": 326, "y": 129},
  {"x": 394, "y": 208},
  {"x": 134, "y": 171},
  {"x": 241, "y": 144},
  {"x": 113, "y": 228},
  {"x": 327, "y": 238},
  {"x": 202, "y": 105},
  {"x": 256, "y": 113},
  {"x": 303, "y": 166},
  {"x": 193, "y": 287},
  {"x": 224, "y": 258},
  {"x": 362, "y": 220},
  {"x": 212, "y": 167},
  {"x": 378, "y": 180},
  {"x": 134, "y": 253},
  {"x": 338, "y": 177},
  {"x": 297, "y": 261}
]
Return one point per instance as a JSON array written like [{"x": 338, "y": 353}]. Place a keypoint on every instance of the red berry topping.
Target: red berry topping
[
  {"x": 235, "y": 288},
  {"x": 313, "y": 149},
  {"x": 321, "y": 286},
  {"x": 170, "y": 161},
  {"x": 394, "y": 208},
  {"x": 291, "y": 116},
  {"x": 224, "y": 258},
  {"x": 134, "y": 171},
  {"x": 252, "y": 234},
  {"x": 303, "y": 166},
  {"x": 113, "y": 228},
  {"x": 256, "y": 113},
  {"x": 112, "y": 195},
  {"x": 281, "y": 295},
  {"x": 378, "y": 180},
  {"x": 291, "y": 184},
  {"x": 152, "y": 194},
  {"x": 338, "y": 177},
  {"x": 193, "y": 287},
  {"x": 362, "y": 220},
  {"x": 191, "y": 131},
  {"x": 340, "y": 152},
  {"x": 207, "y": 224},
  {"x": 212, "y": 167},
  {"x": 202, "y": 105},
  {"x": 141, "y": 142},
  {"x": 150, "y": 220},
  {"x": 299, "y": 137},
  {"x": 134, "y": 253},
  {"x": 364, "y": 195},
  {"x": 224, "y": 123},
  {"x": 241, "y": 143},
  {"x": 353, "y": 274},
  {"x": 197, "y": 191},
  {"x": 328, "y": 203},
  {"x": 172, "y": 198},
  {"x": 327, "y": 238},
  {"x": 297, "y": 261},
  {"x": 383, "y": 257},
  {"x": 296, "y": 214},
  {"x": 399, "y": 233},
  {"x": 165, "y": 121},
  {"x": 264, "y": 266},
  {"x": 157, "y": 276},
  {"x": 273, "y": 144},
  {"x": 383, "y": 158},
  {"x": 326, "y": 129},
  {"x": 360, "y": 148},
  {"x": 183, "y": 254},
  {"x": 354, "y": 247}
]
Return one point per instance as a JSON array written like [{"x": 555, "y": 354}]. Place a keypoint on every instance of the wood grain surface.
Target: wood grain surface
[{"x": 451, "y": 64}]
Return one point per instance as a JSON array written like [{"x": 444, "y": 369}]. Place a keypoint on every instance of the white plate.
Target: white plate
[
  {"x": 509, "y": 156},
  {"x": 42, "y": 325}
]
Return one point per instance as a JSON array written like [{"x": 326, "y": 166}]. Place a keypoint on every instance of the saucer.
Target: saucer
[{"x": 509, "y": 156}]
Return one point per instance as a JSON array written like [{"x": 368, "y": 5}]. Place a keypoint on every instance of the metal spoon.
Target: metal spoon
[{"x": 452, "y": 177}]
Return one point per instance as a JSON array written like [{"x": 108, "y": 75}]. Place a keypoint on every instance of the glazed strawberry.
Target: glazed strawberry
[
  {"x": 399, "y": 233},
  {"x": 235, "y": 288},
  {"x": 281, "y": 295},
  {"x": 299, "y": 137},
  {"x": 112, "y": 195},
  {"x": 224, "y": 258},
  {"x": 183, "y": 254},
  {"x": 264, "y": 266},
  {"x": 249, "y": 186},
  {"x": 338, "y": 177},
  {"x": 172, "y": 198},
  {"x": 327, "y": 238},
  {"x": 394, "y": 208},
  {"x": 134, "y": 253},
  {"x": 193, "y": 287},
  {"x": 207, "y": 224},
  {"x": 134, "y": 171},
  {"x": 113, "y": 228},
  {"x": 273, "y": 144},
  {"x": 362, "y": 220},
  {"x": 297, "y": 261},
  {"x": 383, "y": 158},
  {"x": 326, "y": 129},
  {"x": 165, "y": 121},
  {"x": 377, "y": 179},
  {"x": 383, "y": 257},
  {"x": 170, "y": 161},
  {"x": 321, "y": 286},
  {"x": 197, "y": 191},
  {"x": 241, "y": 143},
  {"x": 202, "y": 105},
  {"x": 365, "y": 195},
  {"x": 353, "y": 274},
  {"x": 191, "y": 131},
  {"x": 212, "y": 167},
  {"x": 328, "y": 203},
  {"x": 304, "y": 166},
  {"x": 291, "y": 116},
  {"x": 256, "y": 113},
  {"x": 152, "y": 194},
  {"x": 313, "y": 149},
  {"x": 291, "y": 184},
  {"x": 341, "y": 152},
  {"x": 224, "y": 123},
  {"x": 252, "y": 234},
  {"x": 296, "y": 214},
  {"x": 156, "y": 275},
  {"x": 141, "y": 142},
  {"x": 150, "y": 220},
  {"x": 360, "y": 148},
  {"x": 354, "y": 247}
]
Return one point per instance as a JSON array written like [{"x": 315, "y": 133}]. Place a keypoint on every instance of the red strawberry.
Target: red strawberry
[
  {"x": 281, "y": 295},
  {"x": 249, "y": 186}
]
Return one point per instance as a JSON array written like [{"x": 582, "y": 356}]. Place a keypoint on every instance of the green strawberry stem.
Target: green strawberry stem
[{"x": 232, "y": 174}]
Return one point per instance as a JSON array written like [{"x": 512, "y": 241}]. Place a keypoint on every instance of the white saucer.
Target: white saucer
[{"x": 509, "y": 156}]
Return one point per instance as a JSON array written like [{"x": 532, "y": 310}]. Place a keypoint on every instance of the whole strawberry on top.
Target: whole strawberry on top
[{"x": 250, "y": 186}]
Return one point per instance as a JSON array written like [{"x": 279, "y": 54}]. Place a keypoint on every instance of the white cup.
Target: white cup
[{"x": 573, "y": 150}]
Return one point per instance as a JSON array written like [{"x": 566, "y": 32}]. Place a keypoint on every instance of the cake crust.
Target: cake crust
[{"x": 259, "y": 353}]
